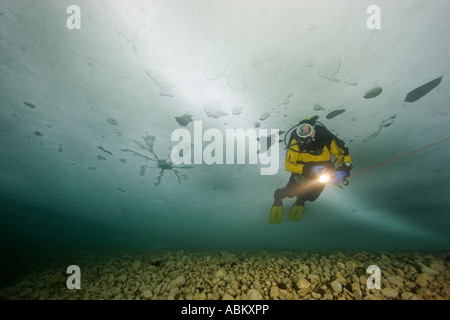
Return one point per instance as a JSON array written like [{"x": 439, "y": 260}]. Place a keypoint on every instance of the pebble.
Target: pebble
[
  {"x": 227, "y": 296},
  {"x": 253, "y": 294},
  {"x": 178, "y": 282},
  {"x": 438, "y": 266},
  {"x": 314, "y": 278},
  {"x": 423, "y": 279},
  {"x": 358, "y": 294},
  {"x": 336, "y": 286},
  {"x": 316, "y": 295},
  {"x": 147, "y": 294},
  {"x": 407, "y": 296},
  {"x": 303, "y": 284},
  {"x": 200, "y": 296},
  {"x": 389, "y": 292},
  {"x": 426, "y": 269},
  {"x": 136, "y": 265},
  {"x": 395, "y": 281},
  {"x": 221, "y": 273},
  {"x": 274, "y": 292}
]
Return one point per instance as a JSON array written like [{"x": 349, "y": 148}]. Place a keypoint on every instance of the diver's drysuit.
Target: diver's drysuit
[{"x": 306, "y": 153}]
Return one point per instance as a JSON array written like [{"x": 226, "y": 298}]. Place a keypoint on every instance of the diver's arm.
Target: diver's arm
[
  {"x": 340, "y": 153},
  {"x": 291, "y": 163}
]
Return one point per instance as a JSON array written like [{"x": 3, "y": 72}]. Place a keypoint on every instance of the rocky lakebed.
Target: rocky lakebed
[{"x": 208, "y": 274}]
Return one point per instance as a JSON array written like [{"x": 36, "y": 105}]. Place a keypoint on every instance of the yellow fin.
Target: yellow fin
[
  {"x": 276, "y": 214},
  {"x": 296, "y": 212}
]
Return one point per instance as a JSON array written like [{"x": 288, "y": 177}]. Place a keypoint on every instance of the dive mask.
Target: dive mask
[{"x": 304, "y": 130}]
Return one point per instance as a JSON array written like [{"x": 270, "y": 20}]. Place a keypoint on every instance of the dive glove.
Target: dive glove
[
  {"x": 316, "y": 170},
  {"x": 338, "y": 176},
  {"x": 342, "y": 173}
]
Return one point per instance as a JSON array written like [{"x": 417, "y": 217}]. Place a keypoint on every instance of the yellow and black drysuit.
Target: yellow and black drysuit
[{"x": 303, "y": 155}]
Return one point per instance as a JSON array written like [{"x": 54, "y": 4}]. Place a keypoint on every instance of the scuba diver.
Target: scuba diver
[{"x": 308, "y": 159}]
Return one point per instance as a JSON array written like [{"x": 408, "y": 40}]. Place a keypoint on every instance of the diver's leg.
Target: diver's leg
[
  {"x": 286, "y": 192},
  {"x": 297, "y": 209},
  {"x": 315, "y": 193},
  {"x": 279, "y": 195},
  {"x": 276, "y": 212},
  {"x": 300, "y": 201}
]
